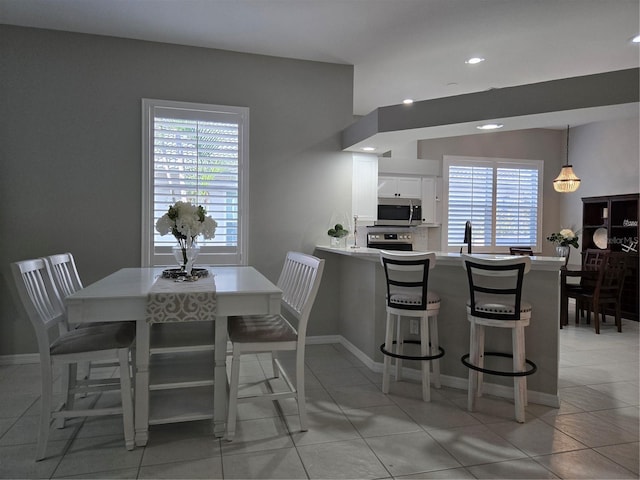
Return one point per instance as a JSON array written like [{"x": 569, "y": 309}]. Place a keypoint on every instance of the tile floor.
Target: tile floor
[{"x": 357, "y": 432}]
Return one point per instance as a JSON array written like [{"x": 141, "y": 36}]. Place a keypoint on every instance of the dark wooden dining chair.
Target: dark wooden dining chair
[
  {"x": 520, "y": 251},
  {"x": 586, "y": 276},
  {"x": 601, "y": 289}
]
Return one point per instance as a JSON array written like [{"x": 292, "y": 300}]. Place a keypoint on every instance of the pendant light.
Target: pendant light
[{"x": 566, "y": 181}]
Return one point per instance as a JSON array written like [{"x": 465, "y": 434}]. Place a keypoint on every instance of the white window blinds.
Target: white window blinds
[
  {"x": 516, "y": 207},
  {"x": 197, "y": 161},
  {"x": 470, "y": 198},
  {"x": 197, "y": 154},
  {"x": 501, "y": 198}
]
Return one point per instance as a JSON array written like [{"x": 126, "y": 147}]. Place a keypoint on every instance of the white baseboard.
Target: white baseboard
[{"x": 21, "y": 359}]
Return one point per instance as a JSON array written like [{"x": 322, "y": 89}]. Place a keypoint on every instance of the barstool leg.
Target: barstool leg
[
  {"x": 480, "y": 341},
  {"x": 425, "y": 351},
  {"x": 435, "y": 349},
  {"x": 519, "y": 383},
  {"x": 388, "y": 346},
  {"x": 399, "y": 347},
  {"x": 474, "y": 359}
]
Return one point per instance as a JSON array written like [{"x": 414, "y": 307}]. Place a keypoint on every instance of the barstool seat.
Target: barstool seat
[
  {"x": 408, "y": 297},
  {"x": 495, "y": 291}
]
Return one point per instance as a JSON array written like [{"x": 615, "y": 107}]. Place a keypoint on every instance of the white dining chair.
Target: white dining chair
[
  {"x": 59, "y": 346},
  {"x": 299, "y": 282}
]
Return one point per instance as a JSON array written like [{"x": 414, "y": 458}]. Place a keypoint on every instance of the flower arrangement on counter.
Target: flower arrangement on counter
[
  {"x": 564, "y": 238},
  {"x": 185, "y": 222}
]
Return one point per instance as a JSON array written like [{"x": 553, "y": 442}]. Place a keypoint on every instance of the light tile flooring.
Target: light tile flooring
[{"x": 357, "y": 432}]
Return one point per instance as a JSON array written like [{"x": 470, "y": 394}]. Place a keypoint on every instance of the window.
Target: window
[
  {"x": 501, "y": 197},
  {"x": 196, "y": 153}
]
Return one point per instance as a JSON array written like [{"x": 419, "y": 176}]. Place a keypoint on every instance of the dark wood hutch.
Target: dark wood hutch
[{"x": 611, "y": 222}]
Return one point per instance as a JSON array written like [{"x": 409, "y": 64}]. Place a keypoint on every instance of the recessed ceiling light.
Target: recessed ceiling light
[
  {"x": 490, "y": 126},
  {"x": 636, "y": 39},
  {"x": 474, "y": 60},
  {"x": 368, "y": 149},
  {"x": 407, "y": 101}
]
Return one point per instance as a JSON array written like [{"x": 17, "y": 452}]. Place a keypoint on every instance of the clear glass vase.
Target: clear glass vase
[
  {"x": 563, "y": 251},
  {"x": 338, "y": 242},
  {"x": 185, "y": 254}
]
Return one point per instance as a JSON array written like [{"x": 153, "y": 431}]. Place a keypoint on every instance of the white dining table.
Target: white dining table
[{"x": 123, "y": 295}]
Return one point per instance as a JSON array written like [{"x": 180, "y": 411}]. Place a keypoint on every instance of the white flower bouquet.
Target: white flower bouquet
[
  {"x": 185, "y": 222},
  {"x": 564, "y": 238}
]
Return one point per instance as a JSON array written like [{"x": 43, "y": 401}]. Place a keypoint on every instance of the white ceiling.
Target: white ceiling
[{"x": 399, "y": 48}]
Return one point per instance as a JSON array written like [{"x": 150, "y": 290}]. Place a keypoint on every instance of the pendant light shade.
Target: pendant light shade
[{"x": 566, "y": 181}]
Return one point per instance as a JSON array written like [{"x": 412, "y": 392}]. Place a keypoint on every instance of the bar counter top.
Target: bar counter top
[{"x": 444, "y": 258}]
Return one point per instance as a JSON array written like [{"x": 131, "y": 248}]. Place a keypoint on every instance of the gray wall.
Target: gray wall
[{"x": 70, "y": 147}]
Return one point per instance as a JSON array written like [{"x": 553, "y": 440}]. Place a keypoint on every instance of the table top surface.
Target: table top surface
[{"x": 136, "y": 283}]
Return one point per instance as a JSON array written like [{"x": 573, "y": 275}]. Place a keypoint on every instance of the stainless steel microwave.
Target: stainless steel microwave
[{"x": 401, "y": 213}]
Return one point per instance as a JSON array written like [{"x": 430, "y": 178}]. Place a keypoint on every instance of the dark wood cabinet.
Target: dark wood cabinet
[{"x": 611, "y": 222}]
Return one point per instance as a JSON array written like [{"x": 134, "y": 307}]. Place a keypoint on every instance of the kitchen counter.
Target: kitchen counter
[
  {"x": 444, "y": 258},
  {"x": 359, "y": 285}
]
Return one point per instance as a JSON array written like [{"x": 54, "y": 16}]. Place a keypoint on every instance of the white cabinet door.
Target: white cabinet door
[
  {"x": 409, "y": 187},
  {"x": 399, "y": 187},
  {"x": 428, "y": 200},
  {"x": 364, "y": 199},
  {"x": 387, "y": 187}
]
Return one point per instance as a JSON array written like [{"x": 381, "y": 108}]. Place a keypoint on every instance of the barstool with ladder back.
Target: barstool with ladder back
[
  {"x": 495, "y": 300},
  {"x": 408, "y": 297}
]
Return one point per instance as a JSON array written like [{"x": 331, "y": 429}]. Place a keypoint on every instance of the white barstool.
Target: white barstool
[
  {"x": 407, "y": 275},
  {"x": 495, "y": 291}
]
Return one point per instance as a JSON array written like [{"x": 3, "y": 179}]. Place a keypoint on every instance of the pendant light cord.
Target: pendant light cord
[{"x": 567, "y": 162}]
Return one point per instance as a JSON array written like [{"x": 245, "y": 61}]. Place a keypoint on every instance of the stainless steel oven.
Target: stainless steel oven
[{"x": 390, "y": 239}]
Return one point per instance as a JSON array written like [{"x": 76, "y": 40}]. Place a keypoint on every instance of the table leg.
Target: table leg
[
  {"x": 220, "y": 382},
  {"x": 141, "y": 415}
]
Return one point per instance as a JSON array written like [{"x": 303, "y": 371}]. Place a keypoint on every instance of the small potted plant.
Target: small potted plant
[{"x": 338, "y": 235}]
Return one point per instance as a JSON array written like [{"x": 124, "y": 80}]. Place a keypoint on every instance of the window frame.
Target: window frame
[
  {"x": 209, "y": 255},
  {"x": 494, "y": 163}
]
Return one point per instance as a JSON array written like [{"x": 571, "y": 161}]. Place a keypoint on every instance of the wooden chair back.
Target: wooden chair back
[
  {"x": 496, "y": 280},
  {"x": 521, "y": 251},
  {"x": 65, "y": 274},
  {"x": 299, "y": 281},
  {"x": 407, "y": 276}
]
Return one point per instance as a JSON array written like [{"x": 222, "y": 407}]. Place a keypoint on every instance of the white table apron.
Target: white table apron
[{"x": 124, "y": 295}]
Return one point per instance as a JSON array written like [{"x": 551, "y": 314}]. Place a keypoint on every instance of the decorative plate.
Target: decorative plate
[
  {"x": 600, "y": 238},
  {"x": 178, "y": 272}
]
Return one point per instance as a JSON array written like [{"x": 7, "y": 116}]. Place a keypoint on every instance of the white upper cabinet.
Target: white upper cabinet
[
  {"x": 364, "y": 201},
  {"x": 399, "y": 187}
]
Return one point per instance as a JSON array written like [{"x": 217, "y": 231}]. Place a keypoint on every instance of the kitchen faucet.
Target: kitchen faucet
[{"x": 467, "y": 236}]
